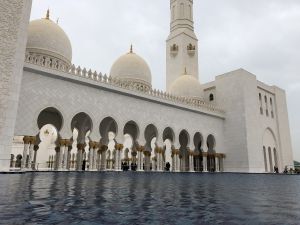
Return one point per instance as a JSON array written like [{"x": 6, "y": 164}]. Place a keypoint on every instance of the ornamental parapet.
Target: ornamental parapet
[{"x": 43, "y": 61}]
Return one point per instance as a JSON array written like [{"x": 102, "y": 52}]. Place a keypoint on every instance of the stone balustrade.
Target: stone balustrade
[{"x": 56, "y": 64}]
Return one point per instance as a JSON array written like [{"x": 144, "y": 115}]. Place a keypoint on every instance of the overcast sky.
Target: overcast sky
[{"x": 261, "y": 36}]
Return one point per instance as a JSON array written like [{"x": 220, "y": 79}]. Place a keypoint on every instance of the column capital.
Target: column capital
[
  {"x": 140, "y": 148},
  {"x": 62, "y": 142},
  {"x": 175, "y": 151},
  {"x": 92, "y": 144},
  {"x": 97, "y": 145},
  {"x": 159, "y": 150},
  {"x": 204, "y": 154},
  {"x": 32, "y": 140},
  {"x": 103, "y": 148},
  {"x": 26, "y": 139},
  {"x": 197, "y": 153},
  {"x": 81, "y": 146},
  {"x": 190, "y": 152},
  {"x": 119, "y": 147},
  {"x": 68, "y": 142},
  {"x": 147, "y": 153},
  {"x": 223, "y": 156}
]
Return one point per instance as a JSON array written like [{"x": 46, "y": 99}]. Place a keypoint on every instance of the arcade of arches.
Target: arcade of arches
[{"x": 49, "y": 151}]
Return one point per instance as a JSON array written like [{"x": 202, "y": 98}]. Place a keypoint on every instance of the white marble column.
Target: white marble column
[
  {"x": 26, "y": 140},
  {"x": 221, "y": 162},
  {"x": 14, "y": 19},
  {"x": 96, "y": 156},
  {"x": 159, "y": 159},
  {"x": 177, "y": 161},
  {"x": 118, "y": 161},
  {"x": 205, "y": 163},
  {"x": 217, "y": 164},
  {"x": 91, "y": 155},
  {"x": 154, "y": 164},
  {"x": 62, "y": 146},
  {"x": 191, "y": 162},
  {"x": 103, "y": 165},
  {"x": 31, "y": 151},
  {"x": 66, "y": 155},
  {"x": 160, "y": 162},
  {"x": 140, "y": 159},
  {"x": 80, "y": 149}
]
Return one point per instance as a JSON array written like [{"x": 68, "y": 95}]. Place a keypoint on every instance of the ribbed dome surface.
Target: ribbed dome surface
[
  {"x": 133, "y": 68},
  {"x": 47, "y": 38},
  {"x": 186, "y": 86}
]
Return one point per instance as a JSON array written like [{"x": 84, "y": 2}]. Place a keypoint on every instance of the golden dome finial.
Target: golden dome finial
[
  {"x": 131, "y": 48},
  {"x": 48, "y": 14}
]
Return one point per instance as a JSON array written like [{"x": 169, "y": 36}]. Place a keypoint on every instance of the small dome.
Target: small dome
[
  {"x": 186, "y": 86},
  {"x": 131, "y": 67},
  {"x": 48, "y": 39}
]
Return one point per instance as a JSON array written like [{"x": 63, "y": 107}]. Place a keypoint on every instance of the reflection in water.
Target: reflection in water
[{"x": 148, "y": 198}]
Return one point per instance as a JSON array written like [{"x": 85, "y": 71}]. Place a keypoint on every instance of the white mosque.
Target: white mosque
[{"x": 70, "y": 118}]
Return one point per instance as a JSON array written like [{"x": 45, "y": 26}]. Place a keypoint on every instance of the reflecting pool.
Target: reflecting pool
[{"x": 149, "y": 198}]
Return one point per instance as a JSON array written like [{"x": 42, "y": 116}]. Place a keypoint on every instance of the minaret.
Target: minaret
[
  {"x": 14, "y": 17},
  {"x": 182, "y": 43}
]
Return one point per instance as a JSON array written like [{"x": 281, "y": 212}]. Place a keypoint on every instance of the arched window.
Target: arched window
[
  {"x": 266, "y": 100},
  {"x": 259, "y": 96},
  {"x": 261, "y": 111},
  {"x": 211, "y": 97},
  {"x": 271, "y": 101}
]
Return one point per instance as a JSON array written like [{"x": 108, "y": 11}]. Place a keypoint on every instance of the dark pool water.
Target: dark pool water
[{"x": 149, "y": 198}]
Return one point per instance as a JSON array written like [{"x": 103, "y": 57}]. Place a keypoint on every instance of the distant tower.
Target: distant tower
[{"x": 182, "y": 43}]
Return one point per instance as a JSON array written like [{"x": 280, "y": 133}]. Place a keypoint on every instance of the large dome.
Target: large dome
[
  {"x": 47, "y": 38},
  {"x": 186, "y": 86},
  {"x": 131, "y": 67}
]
